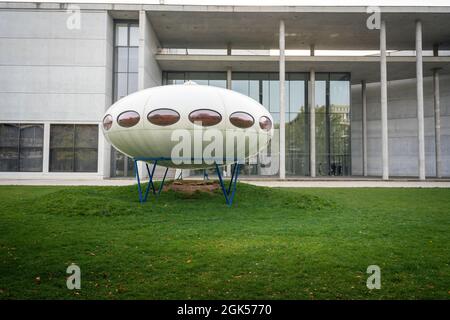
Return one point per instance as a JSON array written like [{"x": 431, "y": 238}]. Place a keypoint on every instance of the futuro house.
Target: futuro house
[{"x": 144, "y": 124}]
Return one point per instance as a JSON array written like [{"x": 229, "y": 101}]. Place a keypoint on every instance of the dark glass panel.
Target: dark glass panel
[
  {"x": 61, "y": 135},
  {"x": 107, "y": 122},
  {"x": 9, "y": 159},
  {"x": 31, "y": 147},
  {"x": 205, "y": 116},
  {"x": 86, "y": 136},
  {"x": 265, "y": 123},
  {"x": 9, "y": 135},
  {"x": 31, "y": 159},
  {"x": 128, "y": 119},
  {"x": 61, "y": 160},
  {"x": 163, "y": 117},
  {"x": 86, "y": 160},
  {"x": 241, "y": 119}
]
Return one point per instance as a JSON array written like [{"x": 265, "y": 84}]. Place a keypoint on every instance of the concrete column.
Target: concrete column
[
  {"x": 420, "y": 120},
  {"x": 437, "y": 123},
  {"x": 229, "y": 75},
  {"x": 229, "y": 49},
  {"x": 312, "y": 123},
  {"x": 384, "y": 119},
  {"x": 227, "y": 169},
  {"x": 364, "y": 126},
  {"x": 282, "y": 104},
  {"x": 312, "y": 50},
  {"x": 149, "y": 71}
]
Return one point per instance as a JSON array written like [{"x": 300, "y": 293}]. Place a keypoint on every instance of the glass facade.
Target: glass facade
[
  {"x": 73, "y": 148},
  {"x": 126, "y": 47},
  {"x": 21, "y": 147},
  {"x": 332, "y": 115},
  {"x": 217, "y": 79},
  {"x": 332, "y": 124}
]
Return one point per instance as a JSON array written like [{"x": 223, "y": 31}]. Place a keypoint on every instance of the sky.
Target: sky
[{"x": 269, "y": 2}]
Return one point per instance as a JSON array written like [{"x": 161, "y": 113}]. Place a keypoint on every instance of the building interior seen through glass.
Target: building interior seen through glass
[
  {"x": 21, "y": 147},
  {"x": 332, "y": 107}
]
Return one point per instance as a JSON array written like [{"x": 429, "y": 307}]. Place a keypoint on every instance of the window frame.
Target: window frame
[
  {"x": 20, "y": 126},
  {"x": 73, "y": 147}
]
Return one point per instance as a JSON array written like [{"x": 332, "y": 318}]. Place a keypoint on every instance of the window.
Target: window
[
  {"x": 205, "y": 117},
  {"x": 21, "y": 147},
  {"x": 126, "y": 49},
  {"x": 242, "y": 119},
  {"x": 265, "y": 123},
  {"x": 216, "y": 79},
  {"x": 107, "y": 122},
  {"x": 73, "y": 148},
  {"x": 128, "y": 119},
  {"x": 163, "y": 117},
  {"x": 333, "y": 156}
]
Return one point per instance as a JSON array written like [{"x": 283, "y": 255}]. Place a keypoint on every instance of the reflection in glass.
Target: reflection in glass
[
  {"x": 332, "y": 115},
  {"x": 134, "y": 35},
  {"x": 133, "y": 60},
  {"x": 128, "y": 119},
  {"x": 107, "y": 122},
  {"x": 205, "y": 117},
  {"x": 265, "y": 123},
  {"x": 163, "y": 117},
  {"x": 121, "y": 34},
  {"x": 73, "y": 148},
  {"x": 242, "y": 120},
  {"x": 333, "y": 124},
  {"x": 21, "y": 147},
  {"x": 121, "y": 60}
]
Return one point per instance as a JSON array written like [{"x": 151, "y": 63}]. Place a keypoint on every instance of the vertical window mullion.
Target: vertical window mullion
[
  {"x": 18, "y": 147},
  {"x": 73, "y": 150}
]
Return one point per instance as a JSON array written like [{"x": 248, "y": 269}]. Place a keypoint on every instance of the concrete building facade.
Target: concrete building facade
[{"x": 360, "y": 102}]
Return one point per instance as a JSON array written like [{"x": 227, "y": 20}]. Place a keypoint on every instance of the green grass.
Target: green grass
[{"x": 272, "y": 244}]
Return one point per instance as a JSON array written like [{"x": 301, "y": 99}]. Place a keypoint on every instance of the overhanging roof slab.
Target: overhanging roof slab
[{"x": 361, "y": 68}]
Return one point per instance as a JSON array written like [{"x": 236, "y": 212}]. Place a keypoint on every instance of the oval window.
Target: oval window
[
  {"x": 242, "y": 119},
  {"x": 205, "y": 117},
  {"x": 107, "y": 122},
  {"x": 265, "y": 123},
  {"x": 128, "y": 119},
  {"x": 163, "y": 117}
]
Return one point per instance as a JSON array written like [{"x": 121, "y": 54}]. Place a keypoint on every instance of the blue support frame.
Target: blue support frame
[
  {"x": 231, "y": 190},
  {"x": 150, "y": 181},
  {"x": 228, "y": 193}
]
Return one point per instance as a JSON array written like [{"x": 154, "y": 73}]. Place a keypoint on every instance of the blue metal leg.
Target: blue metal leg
[
  {"x": 150, "y": 181},
  {"x": 232, "y": 187},
  {"x": 162, "y": 181}
]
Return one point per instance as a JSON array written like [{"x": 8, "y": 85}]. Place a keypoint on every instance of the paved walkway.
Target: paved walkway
[
  {"x": 66, "y": 182},
  {"x": 306, "y": 183},
  {"x": 351, "y": 184}
]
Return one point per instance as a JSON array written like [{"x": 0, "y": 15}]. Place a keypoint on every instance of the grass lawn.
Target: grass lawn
[{"x": 272, "y": 244}]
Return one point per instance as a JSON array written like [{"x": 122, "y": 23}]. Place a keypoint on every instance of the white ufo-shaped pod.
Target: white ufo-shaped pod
[{"x": 152, "y": 123}]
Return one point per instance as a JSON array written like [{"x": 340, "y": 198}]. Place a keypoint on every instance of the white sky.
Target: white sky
[{"x": 268, "y": 2}]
